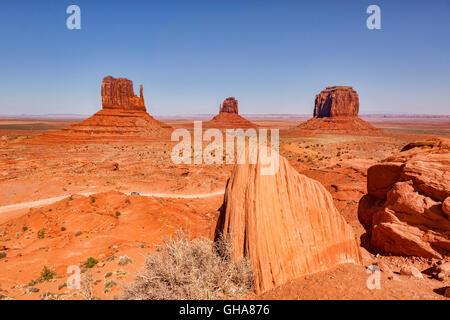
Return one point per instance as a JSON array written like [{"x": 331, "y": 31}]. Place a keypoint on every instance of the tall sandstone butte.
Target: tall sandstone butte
[
  {"x": 286, "y": 224},
  {"x": 337, "y": 101},
  {"x": 229, "y": 118},
  {"x": 336, "y": 111},
  {"x": 405, "y": 210},
  {"x": 123, "y": 116},
  {"x": 118, "y": 94},
  {"x": 230, "y": 105}
]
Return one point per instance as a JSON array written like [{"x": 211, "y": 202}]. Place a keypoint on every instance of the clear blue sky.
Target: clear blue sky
[{"x": 273, "y": 56}]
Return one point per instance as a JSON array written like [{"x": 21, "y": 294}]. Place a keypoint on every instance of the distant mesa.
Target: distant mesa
[
  {"x": 123, "y": 116},
  {"x": 228, "y": 117},
  {"x": 286, "y": 224},
  {"x": 336, "y": 111}
]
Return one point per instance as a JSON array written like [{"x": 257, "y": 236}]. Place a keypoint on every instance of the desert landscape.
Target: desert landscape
[
  {"x": 224, "y": 159},
  {"x": 352, "y": 195}
]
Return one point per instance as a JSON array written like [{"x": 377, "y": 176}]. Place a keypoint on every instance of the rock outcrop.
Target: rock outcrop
[
  {"x": 229, "y": 118},
  {"x": 123, "y": 116},
  {"x": 337, "y": 101},
  {"x": 118, "y": 94},
  {"x": 286, "y": 224},
  {"x": 230, "y": 105},
  {"x": 336, "y": 111},
  {"x": 405, "y": 211}
]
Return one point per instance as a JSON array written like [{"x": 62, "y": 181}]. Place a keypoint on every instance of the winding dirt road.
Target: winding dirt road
[{"x": 42, "y": 202}]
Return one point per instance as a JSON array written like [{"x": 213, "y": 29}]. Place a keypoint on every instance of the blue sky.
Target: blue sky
[{"x": 273, "y": 56}]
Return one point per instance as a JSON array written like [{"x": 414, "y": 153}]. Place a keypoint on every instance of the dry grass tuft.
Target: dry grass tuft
[{"x": 199, "y": 269}]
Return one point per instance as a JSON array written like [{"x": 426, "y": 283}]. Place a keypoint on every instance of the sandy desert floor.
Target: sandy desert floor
[{"x": 63, "y": 203}]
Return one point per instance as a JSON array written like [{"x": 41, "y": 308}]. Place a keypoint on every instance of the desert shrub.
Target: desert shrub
[
  {"x": 46, "y": 275},
  {"x": 90, "y": 262},
  {"x": 41, "y": 234},
  {"x": 2, "y": 255},
  {"x": 86, "y": 286},
  {"x": 117, "y": 213},
  {"x": 197, "y": 269},
  {"x": 63, "y": 228},
  {"x": 124, "y": 260},
  {"x": 24, "y": 228}
]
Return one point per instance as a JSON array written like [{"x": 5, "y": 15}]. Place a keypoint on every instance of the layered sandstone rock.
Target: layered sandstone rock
[
  {"x": 286, "y": 224},
  {"x": 123, "y": 116},
  {"x": 406, "y": 209},
  {"x": 337, "y": 101},
  {"x": 336, "y": 111},
  {"x": 118, "y": 94},
  {"x": 230, "y": 105},
  {"x": 229, "y": 118}
]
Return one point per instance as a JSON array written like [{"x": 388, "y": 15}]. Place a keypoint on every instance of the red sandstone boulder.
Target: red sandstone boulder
[
  {"x": 405, "y": 210},
  {"x": 337, "y": 101},
  {"x": 286, "y": 224},
  {"x": 446, "y": 207}
]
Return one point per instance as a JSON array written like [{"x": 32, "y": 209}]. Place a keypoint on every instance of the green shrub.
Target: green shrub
[
  {"x": 2, "y": 255},
  {"x": 63, "y": 228},
  {"x": 24, "y": 228},
  {"x": 90, "y": 262},
  {"x": 46, "y": 274},
  {"x": 117, "y": 213}
]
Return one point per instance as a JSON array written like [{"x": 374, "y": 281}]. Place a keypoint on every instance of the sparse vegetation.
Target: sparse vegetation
[
  {"x": 24, "y": 228},
  {"x": 109, "y": 284},
  {"x": 86, "y": 286},
  {"x": 41, "y": 234},
  {"x": 197, "y": 269},
  {"x": 2, "y": 255},
  {"x": 46, "y": 275},
  {"x": 118, "y": 213},
  {"x": 63, "y": 228},
  {"x": 92, "y": 199},
  {"x": 124, "y": 260},
  {"x": 90, "y": 262}
]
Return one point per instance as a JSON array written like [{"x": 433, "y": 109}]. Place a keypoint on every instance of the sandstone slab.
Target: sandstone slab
[{"x": 286, "y": 224}]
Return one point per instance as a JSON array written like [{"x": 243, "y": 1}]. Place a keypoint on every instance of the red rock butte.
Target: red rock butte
[
  {"x": 286, "y": 224},
  {"x": 228, "y": 117},
  {"x": 123, "y": 116},
  {"x": 336, "y": 111},
  {"x": 118, "y": 94}
]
